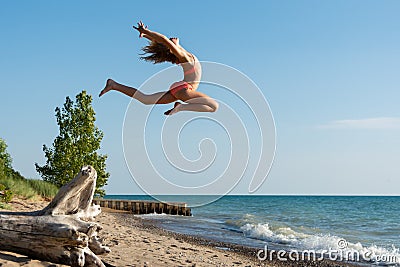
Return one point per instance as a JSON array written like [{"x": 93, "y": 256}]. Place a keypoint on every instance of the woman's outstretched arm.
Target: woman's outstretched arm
[{"x": 178, "y": 51}]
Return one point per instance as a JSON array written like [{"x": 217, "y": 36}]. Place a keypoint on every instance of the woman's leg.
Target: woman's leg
[
  {"x": 194, "y": 101},
  {"x": 151, "y": 99}
]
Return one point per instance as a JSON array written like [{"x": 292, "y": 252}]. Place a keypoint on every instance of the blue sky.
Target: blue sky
[{"x": 329, "y": 70}]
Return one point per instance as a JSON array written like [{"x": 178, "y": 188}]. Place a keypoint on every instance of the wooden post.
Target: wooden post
[
  {"x": 152, "y": 207},
  {"x": 137, "y": 204},
  {"x": 162, "y": 208}
]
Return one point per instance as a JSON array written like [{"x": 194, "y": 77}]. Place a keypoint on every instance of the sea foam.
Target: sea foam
[{"x": 322, "y": 243}]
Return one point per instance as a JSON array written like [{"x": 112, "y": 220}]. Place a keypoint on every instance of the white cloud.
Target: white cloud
[{"x": 370, "y": 123}]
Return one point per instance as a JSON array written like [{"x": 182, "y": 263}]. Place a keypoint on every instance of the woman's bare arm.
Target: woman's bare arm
[{"x": 178, "y": 51}]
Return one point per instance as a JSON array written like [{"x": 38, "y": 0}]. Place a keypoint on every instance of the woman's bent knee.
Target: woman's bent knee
[{"x": 214, "y": 105}]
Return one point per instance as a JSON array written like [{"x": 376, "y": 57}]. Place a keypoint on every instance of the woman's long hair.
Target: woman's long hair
[{"x": 158, "y": 53}]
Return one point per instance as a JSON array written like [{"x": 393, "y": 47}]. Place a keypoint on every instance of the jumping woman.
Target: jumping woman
[{"x": 163, "y": 49}]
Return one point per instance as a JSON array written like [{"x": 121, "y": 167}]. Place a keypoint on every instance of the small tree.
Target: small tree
[
  {"x": 2, "y": 169},
  {"x": 76, "y": 145},
  {"x": 6, "y": 169},
  {"x": 5, "y": 159}
]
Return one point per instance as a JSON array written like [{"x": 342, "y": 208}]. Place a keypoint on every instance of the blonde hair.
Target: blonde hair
[{"x": 158, "y": 53}]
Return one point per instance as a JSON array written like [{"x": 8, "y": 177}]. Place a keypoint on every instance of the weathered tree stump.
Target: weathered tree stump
[{"x": 62, "y": 232}]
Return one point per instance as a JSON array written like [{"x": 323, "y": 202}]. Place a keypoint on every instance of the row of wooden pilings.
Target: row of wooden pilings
[{"x": 145, "y": 206}]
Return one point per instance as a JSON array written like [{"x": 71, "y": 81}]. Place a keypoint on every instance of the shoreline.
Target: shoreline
[
  {"x": 249, "y": 253},
  {"x": 138, "y": 241}
]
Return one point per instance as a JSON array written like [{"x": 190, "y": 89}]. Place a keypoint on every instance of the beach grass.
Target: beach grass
[
  {"x": 44, "y": 189},
  {"x": 30, "y": 188}
]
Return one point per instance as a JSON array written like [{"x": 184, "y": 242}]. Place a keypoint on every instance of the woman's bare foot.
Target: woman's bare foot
[
  {"x": 173, "y": 110},
  {"x": 109, "y": 86}
]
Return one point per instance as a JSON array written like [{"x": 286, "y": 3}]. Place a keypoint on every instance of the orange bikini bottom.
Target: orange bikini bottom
[{"x": 177, "y": 86}]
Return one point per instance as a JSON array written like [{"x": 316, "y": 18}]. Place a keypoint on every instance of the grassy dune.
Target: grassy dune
[{"x": 29, "y": 188}]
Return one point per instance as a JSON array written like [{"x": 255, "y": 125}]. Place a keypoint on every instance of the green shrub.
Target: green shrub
[
  {"x": 6, "y": 195},
  {"x": 5, "y": 206}
]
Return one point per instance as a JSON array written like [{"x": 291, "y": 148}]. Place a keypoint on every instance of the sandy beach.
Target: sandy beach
[{"x": 138, "y": 242}]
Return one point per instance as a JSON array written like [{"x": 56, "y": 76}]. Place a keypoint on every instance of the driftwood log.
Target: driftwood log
[{"x": 63, "y": 232}]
